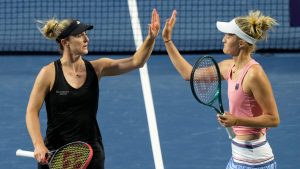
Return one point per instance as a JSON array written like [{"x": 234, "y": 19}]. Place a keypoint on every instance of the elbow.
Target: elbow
[
  {"x": 186, "y": 78},
  {"x": 276, "y": 122},
  {"x": 139, "y": 65}
]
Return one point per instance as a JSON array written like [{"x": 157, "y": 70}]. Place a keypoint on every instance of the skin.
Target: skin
[
  {"x": 74, "y": 48},
  {"x": 256, "y": 82}
]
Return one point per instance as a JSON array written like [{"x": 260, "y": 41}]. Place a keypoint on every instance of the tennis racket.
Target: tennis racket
[
  {"x": 205, "y": 83},
  {"x": 75, "y": 155}
]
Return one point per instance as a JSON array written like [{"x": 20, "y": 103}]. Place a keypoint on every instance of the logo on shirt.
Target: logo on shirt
[
  {"x": 62, "y": 92},
  {"x": 237, "y": 86}
]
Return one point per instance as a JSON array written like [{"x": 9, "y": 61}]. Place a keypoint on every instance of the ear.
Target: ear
[
  {"x": 64, "y": 42},
  {"x": 242, "y": 43}
]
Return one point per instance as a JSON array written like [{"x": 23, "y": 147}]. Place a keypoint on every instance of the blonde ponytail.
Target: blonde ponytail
[
  {"x": 52, "y": 28},
  {"x": 256, "y": 24}
]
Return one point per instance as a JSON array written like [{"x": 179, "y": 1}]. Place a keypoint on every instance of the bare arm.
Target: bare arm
[
  {"x": 182, "y": 66},
  {"x": 260, "y": 87},
  {"x": 256, "y": 83},
  {"x": 111, "y": 67},
  {"x": 37, "y": 96}
]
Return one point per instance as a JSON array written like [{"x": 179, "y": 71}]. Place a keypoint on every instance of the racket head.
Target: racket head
[
  {"x": 75, "y": 155},
  {"x": 205, "y": 82}
]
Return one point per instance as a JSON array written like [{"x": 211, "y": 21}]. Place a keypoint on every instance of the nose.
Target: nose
[
  {"x": 224, "y": 38},
  {"x": 86, "y": 38}
]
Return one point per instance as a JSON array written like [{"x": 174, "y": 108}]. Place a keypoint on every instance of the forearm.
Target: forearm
[
  {"x": 143, "y": 53},
  {"x": 33, "y": 127},
  {"x": 263, "y": 121},
  {"x": 182, "y": 66}
]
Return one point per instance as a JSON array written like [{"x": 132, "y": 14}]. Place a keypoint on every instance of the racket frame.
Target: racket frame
[
  {"x": 218, "y": 94},
  {"x": 52, "y": 154}
]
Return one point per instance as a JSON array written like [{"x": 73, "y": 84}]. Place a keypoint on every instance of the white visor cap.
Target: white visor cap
[{"x": 232, "y": 28}]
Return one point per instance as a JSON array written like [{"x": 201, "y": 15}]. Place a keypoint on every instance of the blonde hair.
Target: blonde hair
[
  {"x": 256, "y": 24},
  {"x": 52, "y": 28}
]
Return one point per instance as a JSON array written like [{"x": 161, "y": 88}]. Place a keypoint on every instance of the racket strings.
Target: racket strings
[
  {"x": 206, "y": 81},
  {"x": 70, "y": 157}
]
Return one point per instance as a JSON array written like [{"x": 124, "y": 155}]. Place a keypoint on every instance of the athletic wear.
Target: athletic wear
[
  {"x": 251, "y": 154},
  {"x": 72, "y": 113},
  {"x": 241, "y": 104},
  {"x": 247, "y": 154}
]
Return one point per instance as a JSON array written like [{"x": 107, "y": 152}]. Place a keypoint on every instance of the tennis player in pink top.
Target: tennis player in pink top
[{"x": 252, "y": 104}]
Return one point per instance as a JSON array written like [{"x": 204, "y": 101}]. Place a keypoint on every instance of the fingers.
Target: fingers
[
  {"x": 41, "y": 154},
  {"x": 170, "y": 22},
  {"x": 155, "y": 17},
  {"x": 227, "y": 119},
  {"x": 42, "y": 158},
  {"x": 155, "y": 24},
  {"x": 173, "y": 17},
  {"x": 220, "y": 119}
]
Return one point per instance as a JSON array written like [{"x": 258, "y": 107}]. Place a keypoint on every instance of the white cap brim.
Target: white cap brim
[{"x": 232, "y": 28}]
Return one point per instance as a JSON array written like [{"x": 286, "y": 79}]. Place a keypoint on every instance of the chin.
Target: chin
[
  {"x": 85, "y": 52},
  {"x": 225, "y": 51}
]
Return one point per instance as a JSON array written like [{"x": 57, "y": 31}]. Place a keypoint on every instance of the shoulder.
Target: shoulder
[
  {"x": 256, "y": 72},
  {"x": 46, "y": 76},
  {"x": 224, "y": 66},
  {"x": 256, "y": 78},
  {"x": 47, "y": 69},
  {"x": 100, "y": 64},
  {"x": 101, "y": 61}
]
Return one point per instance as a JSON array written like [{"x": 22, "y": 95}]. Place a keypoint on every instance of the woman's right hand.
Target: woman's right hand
[
  {"x": 167, "y": 31},
  {"x": 41, "y": 153}
]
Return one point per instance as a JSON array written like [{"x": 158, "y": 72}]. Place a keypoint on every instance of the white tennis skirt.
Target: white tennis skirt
[{"x": 251, "y": 154}]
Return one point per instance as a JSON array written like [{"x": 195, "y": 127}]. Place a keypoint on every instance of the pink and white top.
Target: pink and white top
[{"x": 240, "y": 103}]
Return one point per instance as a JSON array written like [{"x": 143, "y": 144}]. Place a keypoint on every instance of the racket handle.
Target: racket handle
[
  {"x": 230, "y": 132},
  {"x": 24, "y": 153}
]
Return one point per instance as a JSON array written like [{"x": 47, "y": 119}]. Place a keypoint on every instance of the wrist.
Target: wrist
[
  {"x": 38, "y": 143},
  {"x": 149, "y": 39},
  {"x": 167, "y": 41},
  {"x": 236, "y": 122}
]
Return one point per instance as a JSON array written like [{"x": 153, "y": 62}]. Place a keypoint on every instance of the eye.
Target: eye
[{"x": 78, "y": 35}]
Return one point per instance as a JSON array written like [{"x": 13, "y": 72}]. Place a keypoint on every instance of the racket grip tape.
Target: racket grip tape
[{"x": 24, "y": 153}]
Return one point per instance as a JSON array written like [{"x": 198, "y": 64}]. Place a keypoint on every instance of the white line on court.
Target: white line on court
[{"x": 138, "y": 40}]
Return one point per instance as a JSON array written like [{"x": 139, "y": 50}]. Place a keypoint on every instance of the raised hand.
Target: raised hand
[
  {"x": 155, "y": 25},
  {"x": 167, "y": 32}
]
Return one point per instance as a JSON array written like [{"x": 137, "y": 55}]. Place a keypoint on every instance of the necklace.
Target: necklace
[{"x": 234, "y": 70}]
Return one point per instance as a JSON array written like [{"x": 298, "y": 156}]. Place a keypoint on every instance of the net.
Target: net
[{"x": 194, "y": 31}]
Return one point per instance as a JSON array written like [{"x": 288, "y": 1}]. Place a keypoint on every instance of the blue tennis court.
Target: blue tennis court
[{"x": 190, "y": 136}]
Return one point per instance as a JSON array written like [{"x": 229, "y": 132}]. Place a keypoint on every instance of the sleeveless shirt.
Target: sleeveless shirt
[
  {"x": 240, "y": 103},
  {"x": 71, "y": 112}
]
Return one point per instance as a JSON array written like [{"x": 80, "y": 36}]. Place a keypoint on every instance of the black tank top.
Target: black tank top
[{"x": 72, "y": 112}]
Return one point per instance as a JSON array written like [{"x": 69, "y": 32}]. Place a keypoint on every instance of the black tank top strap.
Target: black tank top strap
[{"x": 89, "y": 67}]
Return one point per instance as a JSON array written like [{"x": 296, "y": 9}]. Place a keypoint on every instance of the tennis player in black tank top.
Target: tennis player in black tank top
[
  {"x": 72, "y": 112},
  {"x": 70, "y": 88}
]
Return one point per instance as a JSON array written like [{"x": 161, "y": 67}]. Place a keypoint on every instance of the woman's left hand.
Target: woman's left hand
[{"x": 154, "y": 26}]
